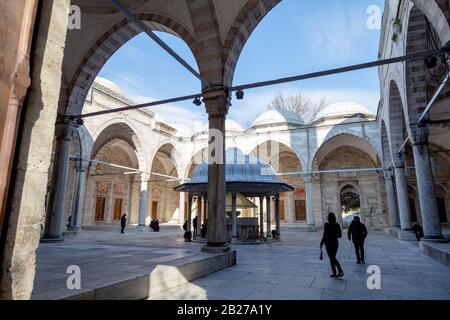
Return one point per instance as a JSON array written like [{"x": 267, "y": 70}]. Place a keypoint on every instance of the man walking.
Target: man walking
[
  {"x": 357, "y": 233},
  {"x": 123, "y": 223}
]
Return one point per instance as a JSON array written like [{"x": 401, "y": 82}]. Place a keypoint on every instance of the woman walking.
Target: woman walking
[{"x": 331, "y": 233}]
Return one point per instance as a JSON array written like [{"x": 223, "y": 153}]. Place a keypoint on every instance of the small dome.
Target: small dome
[
  {"x": 342, "y": 109},
  {"x": 277, "y": 117},
  {"x": 108, "y": 84},
  {"x": 239, "y": 168}
]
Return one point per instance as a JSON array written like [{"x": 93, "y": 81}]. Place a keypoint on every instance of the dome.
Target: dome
[
  {"x": 278, "y": 116},
  {"x": 239, "y": 168},
  {"x": 341, "y": 109},
  {"x": 109, "y": 85}
]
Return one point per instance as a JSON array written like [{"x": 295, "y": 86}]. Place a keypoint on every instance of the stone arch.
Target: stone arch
[
  {"x": 170, "y": 150},
  {"x": 197, "y": 157},
  {"x": 250, "y": 15},
  {"x": 120, "y": 129},
  {"x": 435, "y": 15},
  {"x": 117, "y": 142},
  {"x": 385, "y": 146},
  {"x": 334, "y": 133},
  {"x": 108, "y": 43},
  {"x": 416, "y": 73},
  {"x": 265, "y": 146},
  {"x": 397, "y": 119}
]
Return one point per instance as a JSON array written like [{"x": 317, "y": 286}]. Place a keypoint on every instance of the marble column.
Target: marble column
[
  {"x": 277, "y": 216},
  {"x": 310, "y": 219},
  {"x": 188, "y": 234},
  {"x": 205, "y": 207},
  {"x": 217, "y": 102},
  {"x": 402, "y": 192},
  {"x": 394, "y": 220},
  {"x": 425, "y": 185},
  {"x": 268, "y": 216},
  {"x": 233, "y": 217},
  {"x": 261, "y": 217},
  {"x": 143, "y": 199},
  {"x": 199, "y": 216},
  {"x": 57, "y": 221},
  {"x": 78, "y": 199},
  {"x": 181, "y": 206}
]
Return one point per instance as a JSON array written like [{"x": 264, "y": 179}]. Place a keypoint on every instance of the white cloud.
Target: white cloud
[
  {"x": 336, "y": 39},
  {"x": 254, "y": 104}
]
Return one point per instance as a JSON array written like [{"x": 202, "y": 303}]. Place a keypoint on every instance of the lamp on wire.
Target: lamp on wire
[{"x": 197, "y": 101}]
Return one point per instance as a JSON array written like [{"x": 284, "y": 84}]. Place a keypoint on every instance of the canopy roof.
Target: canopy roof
[{"x": 243, "y": 173}]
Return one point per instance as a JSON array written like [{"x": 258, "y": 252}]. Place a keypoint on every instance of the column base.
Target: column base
[
  {"x": 216, "y": 248},
  {"x": 74, "y": 229},
  {"x": 312, "y": 228},
  {"x": 405, "y": 235},
  {"x": 188, "y": 236},
  {"x": 438, "y": 239},
  {"x": 141, "y": 228},
  {"x": 52, "y": 239}
]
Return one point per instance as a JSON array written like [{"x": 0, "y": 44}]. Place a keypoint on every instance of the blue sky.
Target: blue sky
[{"x": 296, "y": 37}]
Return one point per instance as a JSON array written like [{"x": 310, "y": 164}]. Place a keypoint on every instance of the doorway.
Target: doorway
[
  {"x": 117, "y": 209},
  {"x": 350, "y": 204},
  {"x": 154, "y": 213},
  {"x": 100, "y": 209},
  {"x": 300, "y": 211}
]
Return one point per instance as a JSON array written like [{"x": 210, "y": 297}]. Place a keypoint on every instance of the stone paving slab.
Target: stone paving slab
[
  {"x": 291, "y": 270},
  {"x": 134, "y": 266}
]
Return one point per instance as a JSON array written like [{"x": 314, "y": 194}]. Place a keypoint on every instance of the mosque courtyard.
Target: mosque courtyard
[{"x": 288, "y": 270}]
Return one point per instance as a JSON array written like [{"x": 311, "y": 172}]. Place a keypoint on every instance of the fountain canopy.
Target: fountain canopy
[{"x": 244, "y": 174}]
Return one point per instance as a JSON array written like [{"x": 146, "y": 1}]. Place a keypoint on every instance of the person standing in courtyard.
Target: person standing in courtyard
[
  {"x": 194, "y": 225},
  {"x": 357, "y": 232},
  {"x": 331, "y": 233},
  {"x": 123, "y": 223}
]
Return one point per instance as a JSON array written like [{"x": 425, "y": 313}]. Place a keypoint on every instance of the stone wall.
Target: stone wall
[{"x": 28, "y": 198}]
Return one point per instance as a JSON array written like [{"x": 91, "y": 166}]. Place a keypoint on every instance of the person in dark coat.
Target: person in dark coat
[
  {"x": 194, "y": 225},
  {"x": 418, "y": 231},
  {"x": 331, "y": 233},
  {"x": 123, "y": 223},
  {"x": 156, "y": 225},
  {"x": 357, "y": 233},
  {"x": 204, "y": 230}
]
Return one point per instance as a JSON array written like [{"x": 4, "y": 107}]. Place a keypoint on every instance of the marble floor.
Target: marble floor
[{"x": 290, "y": 269}]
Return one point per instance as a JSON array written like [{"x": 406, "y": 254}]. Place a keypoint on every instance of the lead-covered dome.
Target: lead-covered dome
[
  {"x": 343, "y": 109},
  {"x": 277, "y": 117},
  {"x": 239, "y": 168},
  {"x": 109, "y": 85}
]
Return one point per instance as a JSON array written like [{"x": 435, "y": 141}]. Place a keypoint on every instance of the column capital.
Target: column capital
[
  {"x": 388, "y": 174},
  {"x": 145, "y": 177},
  {"x": 217, "y": 101},
  {"x": 308, "y": 178},
  {"x": 419, "y": 135},
  {"x": 399, "y": 160}
]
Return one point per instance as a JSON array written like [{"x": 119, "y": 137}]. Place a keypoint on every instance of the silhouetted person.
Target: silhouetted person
[
  {"x": 69, "y": 221},
  {"x": 357, "y": 233},
  {"x": 154, "y": 225},
  {"x": 418, "y": 231},
  {"x": 123, "y": 223},
  {"x": 204, "y": 230},
  {"x": 194, "y": 225},
  {"x": 331, "y": 233}
]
